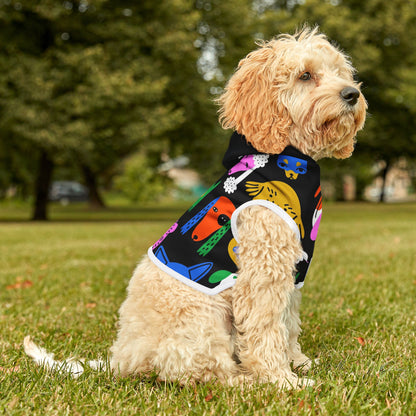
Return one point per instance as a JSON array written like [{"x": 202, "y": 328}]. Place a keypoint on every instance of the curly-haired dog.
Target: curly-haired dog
[{"x": 218, "y": 295}]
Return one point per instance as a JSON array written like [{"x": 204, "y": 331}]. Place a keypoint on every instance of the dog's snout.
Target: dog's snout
[{"x": 350, "y": 95}]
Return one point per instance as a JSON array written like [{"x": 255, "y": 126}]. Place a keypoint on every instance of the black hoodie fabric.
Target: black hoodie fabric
[{"x": 201, "y": 248}]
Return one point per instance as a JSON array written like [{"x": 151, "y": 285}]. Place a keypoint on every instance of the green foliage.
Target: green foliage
[
  {"x": 84, "y": 89},
  {"x": 140, "y": 181},
  {"x": 92, "y": 83}
]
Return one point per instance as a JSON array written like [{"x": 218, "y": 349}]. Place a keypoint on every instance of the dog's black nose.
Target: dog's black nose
[{"x": 350, "y": 95}]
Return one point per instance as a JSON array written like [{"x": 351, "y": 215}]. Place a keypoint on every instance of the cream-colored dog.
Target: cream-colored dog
[{"x": 293, "y": 91}]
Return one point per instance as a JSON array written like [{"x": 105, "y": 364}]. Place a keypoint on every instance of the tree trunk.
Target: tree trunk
[
  {"x": 95, "y": 199},
  {"x": 42, "y": 185},
  {"x": 384, "y": 177}
]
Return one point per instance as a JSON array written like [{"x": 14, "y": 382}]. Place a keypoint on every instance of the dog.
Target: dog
[{"x": 217, "y": 297}]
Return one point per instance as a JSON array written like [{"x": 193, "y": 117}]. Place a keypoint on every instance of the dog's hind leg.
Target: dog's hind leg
[
  {"x": 268, "y": 252},
  {"x": 199, "y": 349},
  {"x": 168, "y": 327}
]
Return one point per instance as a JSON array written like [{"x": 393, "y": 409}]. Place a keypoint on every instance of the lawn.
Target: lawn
[{"x": 62, "y": 282}]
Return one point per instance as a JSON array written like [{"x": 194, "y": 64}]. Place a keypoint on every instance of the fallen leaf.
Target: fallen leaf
[
  {"x": 209, "y": 396},
  {"x": 10, "y": 287},
  {"x": 301, "y": 404},
  {"x": 20, "y": 285},
  {"x": 91, "y": 305},
  {"x": 361, "y": 341},
  {"x": 349, "y": 312},
  {"x": 359, "y": 277}
]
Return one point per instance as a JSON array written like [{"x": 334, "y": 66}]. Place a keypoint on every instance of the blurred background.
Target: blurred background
[{"x": 103, "y": 101}]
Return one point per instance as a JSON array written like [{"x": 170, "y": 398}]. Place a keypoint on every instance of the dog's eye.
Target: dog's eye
[{"x": 306, "y": 76}]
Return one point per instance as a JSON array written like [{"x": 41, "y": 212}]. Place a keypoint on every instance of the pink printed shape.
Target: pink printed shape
[
  {"x": 245, "y": 163},
  {"x": 316, "y": 221},
  {"x": 171, "y": 230}
]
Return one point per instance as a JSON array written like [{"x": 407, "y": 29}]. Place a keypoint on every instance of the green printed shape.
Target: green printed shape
[
  {"x": 211, "y": 243},
  {"x": 204, "y": 195},
  {"x": 218, "y": 276}
]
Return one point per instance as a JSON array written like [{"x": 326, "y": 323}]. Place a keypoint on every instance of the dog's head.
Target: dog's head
[{"x": 295, "y": 90}]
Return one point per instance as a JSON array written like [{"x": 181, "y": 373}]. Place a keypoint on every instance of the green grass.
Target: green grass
[{"x": 62, "y": 282}]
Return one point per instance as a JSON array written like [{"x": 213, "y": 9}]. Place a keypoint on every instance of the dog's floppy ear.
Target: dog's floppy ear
[{"x": 251, "y": 104}]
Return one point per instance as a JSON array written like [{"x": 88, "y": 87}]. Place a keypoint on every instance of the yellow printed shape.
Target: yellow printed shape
[
  {"x": 231, "y": 246},
  {"x": 280, "y": 194}
]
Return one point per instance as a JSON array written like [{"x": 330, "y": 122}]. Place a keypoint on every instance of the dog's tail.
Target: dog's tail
[{"x": 71, "y": 366}]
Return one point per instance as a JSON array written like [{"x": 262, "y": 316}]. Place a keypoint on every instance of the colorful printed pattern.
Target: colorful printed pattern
[
  {"x": 195, "y": 272},
  {"x": 250, "y": 164},
  {"x": 203, "y": 196},
  {"x": 213, "y": 241},
  {"x": 245, "y": 163},
  {"x": 200, "y": 246},
  {"x": 195, "y": 219},
  {"x": 292, "y": 166},
  {"x": 282, "y": 195},
  {"x": 216, "y": 217},
  {"x": 171, "y": 230},
  {"x": 317, "y": 215}
]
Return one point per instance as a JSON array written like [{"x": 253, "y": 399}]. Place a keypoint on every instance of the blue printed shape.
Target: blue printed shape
[
  {"x": 198, "y": 217},
  {"x": 292, "y": 166},
  {"x": 195, "y": 273}
]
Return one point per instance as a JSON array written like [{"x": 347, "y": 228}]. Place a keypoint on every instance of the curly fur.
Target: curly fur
[
  {"x": 266, "y": 102},
  {"x": 249, "y": 332}
]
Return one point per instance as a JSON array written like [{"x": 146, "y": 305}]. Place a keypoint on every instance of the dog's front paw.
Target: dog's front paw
[
  {"x": 303, "y": 364},
  {"x": 297, "y": 383},
  {"x": 306, "y": 382}
]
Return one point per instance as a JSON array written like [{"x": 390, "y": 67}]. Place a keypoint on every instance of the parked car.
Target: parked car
[{"x": 68, "y": 191}]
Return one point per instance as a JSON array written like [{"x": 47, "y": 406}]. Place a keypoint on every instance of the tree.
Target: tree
[
  {"x": 223, "y": 35},
  {"x": 85, "y": 83}
]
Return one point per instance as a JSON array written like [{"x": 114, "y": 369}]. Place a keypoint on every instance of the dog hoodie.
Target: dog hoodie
[{"x": 201, "y": 248}]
